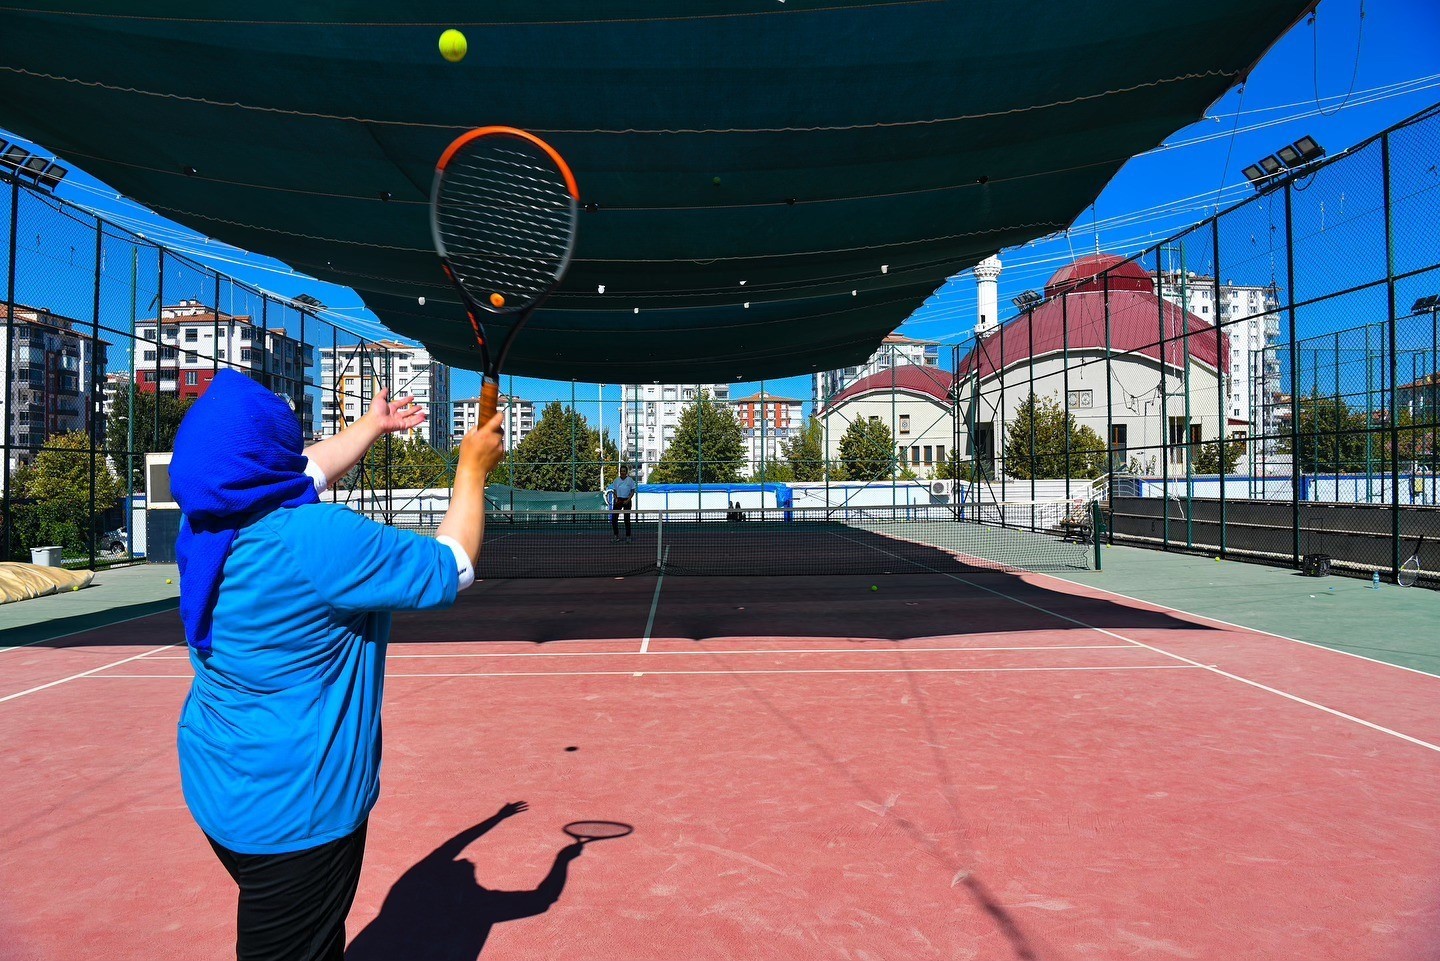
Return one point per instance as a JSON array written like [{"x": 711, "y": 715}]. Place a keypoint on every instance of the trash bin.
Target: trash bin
[{"x": 45, "y": 556}]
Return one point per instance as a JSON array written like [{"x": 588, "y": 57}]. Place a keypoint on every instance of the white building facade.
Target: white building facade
[
  {"x": 650, "y": 415},
  {"x": 192, "y": 342},
  {"x": 769, "y": 423},
  {"x": 519, "y": 418},
  {"x": 51, "y": 367},
  {"x": 913, "y": 402},
  {"x": 351, "y": 376},
  {"x": 1249, "y": 316}
]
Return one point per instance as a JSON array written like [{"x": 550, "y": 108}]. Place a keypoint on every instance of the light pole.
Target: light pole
[{"x": 600, "y": 395}]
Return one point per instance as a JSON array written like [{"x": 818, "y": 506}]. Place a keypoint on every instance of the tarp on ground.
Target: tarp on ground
[{"x": 826, "y": 162}]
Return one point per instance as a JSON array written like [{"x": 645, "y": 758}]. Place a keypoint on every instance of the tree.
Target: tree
[
  {"x": 405, "y": 462},
  {"x": 955, "y": 467},
  {"x": 117, "y": 431},
  {"x": 1047, "y": 457},
  {"x": 773, "y": 471},
  {"x": 559, "y": 454},
  {"x": 53, "y": 495},
  {"x": 867, "y": 450},
  {"x": 806, "y": 454},
  {"x": 1207, "y": 459},
  {"x": 1333, "y": 438},
  {"x": 708, "y": 447}
]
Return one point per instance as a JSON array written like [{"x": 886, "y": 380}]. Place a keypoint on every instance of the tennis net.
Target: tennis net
[{"x": 1032, "y": 535}]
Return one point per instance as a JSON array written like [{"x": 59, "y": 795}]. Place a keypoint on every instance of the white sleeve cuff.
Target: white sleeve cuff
[
  {"x": 313, "y": 471},
  {"x": 462, "y": 561}
]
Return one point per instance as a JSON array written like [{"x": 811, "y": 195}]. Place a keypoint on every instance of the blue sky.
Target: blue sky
[{"x": 1339, "y": 79}]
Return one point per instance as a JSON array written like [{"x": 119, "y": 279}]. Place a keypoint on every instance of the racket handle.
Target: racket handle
[{"x": 489, "y": 399}]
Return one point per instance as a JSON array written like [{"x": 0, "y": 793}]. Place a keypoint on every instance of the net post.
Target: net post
[
  {"x": 1095, "y": 515},
  {"x": 659, "y": 539}
]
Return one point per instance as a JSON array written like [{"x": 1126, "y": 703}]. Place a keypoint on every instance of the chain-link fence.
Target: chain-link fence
[{"x": 1262, "y": 386}]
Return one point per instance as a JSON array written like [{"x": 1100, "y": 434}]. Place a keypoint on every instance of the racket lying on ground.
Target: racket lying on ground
[
  {"x": 1410, "y": 570},
  {"x": 587, "y": 831},
  {"x": 502, "y": 212}
]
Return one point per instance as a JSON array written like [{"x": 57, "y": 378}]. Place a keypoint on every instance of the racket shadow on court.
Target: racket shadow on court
[{"x": 437, "y": 911}]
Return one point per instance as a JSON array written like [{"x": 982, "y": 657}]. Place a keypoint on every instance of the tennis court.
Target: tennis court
[{"x": 962, "y": 762}]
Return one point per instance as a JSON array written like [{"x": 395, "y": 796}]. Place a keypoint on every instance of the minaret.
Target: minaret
[{"x": 987, "y": 276}]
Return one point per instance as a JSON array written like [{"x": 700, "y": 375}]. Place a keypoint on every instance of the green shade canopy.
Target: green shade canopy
[{"x": 839, "y": 158}]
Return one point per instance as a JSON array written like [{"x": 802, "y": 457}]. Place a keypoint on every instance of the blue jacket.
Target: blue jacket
[{"x": 280, "y": 735}]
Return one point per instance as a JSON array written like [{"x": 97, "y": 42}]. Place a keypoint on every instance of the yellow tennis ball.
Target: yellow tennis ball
[
  {"x": 168, "y": 581},
  {"x": 497, "y": 300},
  {"x": 453, "y": 45}
]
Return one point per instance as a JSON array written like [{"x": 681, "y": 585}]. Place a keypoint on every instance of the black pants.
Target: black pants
[
  {"x": 620, "y": 507},
  {"x": 293, "y": 906}
]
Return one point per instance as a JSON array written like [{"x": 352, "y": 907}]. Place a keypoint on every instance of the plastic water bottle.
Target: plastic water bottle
[{"x": 1375, "y": 581}]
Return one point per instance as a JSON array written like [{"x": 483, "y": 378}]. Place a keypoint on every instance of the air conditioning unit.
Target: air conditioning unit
[{"x": 941, "y": 488}]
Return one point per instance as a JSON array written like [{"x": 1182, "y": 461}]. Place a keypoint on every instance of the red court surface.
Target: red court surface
[{"x": 976, "y": 766}]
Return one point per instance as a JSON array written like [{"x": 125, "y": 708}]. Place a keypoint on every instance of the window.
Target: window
[
  {"x": 1080, "y": 398},
  {"x": 915, "y": 455},
  {"x": 167, "y": 353},
  {"x": 928, "y": 450},
  {"x": 149, "y": 355},
  {"x": 940, "y": 453},
  {"x": 246, "y": 334},
  {"x": 167, "y": 333},
  {"x": 146, "y": 333},
  {"x": 904, "y": 423},
  {"x": 192, "y": 378},
  {"x": 191, "y": 357},
  {"x": 1119, "y": 451},
  {"x": 191, "y": 334},
  {"x": 246, "y": 353}
]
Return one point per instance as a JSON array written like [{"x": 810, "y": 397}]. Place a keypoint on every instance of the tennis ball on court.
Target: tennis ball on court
[
  {"x": 168, "y": 581},
  {"x": 497, "y": 300},
  {"x": 874, "y": 587},
  {"x": 453, "y": 46}
]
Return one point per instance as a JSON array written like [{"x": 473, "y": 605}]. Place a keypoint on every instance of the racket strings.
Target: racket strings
[{"x": 504, "y": 214}]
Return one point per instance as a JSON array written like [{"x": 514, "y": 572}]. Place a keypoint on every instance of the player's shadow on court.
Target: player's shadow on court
[{"x": 438, "y": 912}]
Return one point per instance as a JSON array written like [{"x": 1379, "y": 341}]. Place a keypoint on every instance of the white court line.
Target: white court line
[
  {"x": 654, "y": 604},
  {"x": 855, "y": 670},
  {"x": 1242, "y": 627},
  {"x": 85, "y": 630},
  {"x": 798, "y": 650},
  {"x": 1208, "y": 667},
  {"x": 75, "y": 677},
  {"x": 728, "y": 673}
]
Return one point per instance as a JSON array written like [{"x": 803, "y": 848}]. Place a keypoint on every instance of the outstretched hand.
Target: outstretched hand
[
  {"x": 512, "y": 809},
  {"x": 392, "y": 417}
]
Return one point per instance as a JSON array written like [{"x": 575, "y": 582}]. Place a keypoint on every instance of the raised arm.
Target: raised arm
[
  {"x": 337, "y": 455},
  {"x": 464, "y": 522}
]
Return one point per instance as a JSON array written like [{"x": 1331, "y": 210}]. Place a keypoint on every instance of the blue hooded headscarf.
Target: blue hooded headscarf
[{"x": 239, "y": 454}]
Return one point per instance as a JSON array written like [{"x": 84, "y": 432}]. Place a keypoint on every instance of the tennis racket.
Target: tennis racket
[
  {"x": 1410, "y": 570},
  {"x": 587, "y": 831},
  {"x": 502, "y": 213}
]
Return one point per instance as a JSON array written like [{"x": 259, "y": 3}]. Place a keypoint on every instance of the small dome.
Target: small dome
[{"x": 1082, "y": 274}]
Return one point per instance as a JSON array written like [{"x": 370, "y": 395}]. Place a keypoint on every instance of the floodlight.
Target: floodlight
[
  {"x": 1271, "y": 165},
  {"x": 1289, "y": 156},
  {"x": 14, "y": 156},
  {"x": 1028, "y": 299},
  {"x": 52, "y": 176},
  {"x": 1432, "y": 302},
  {"x": 1309, "y": 149},
  {"x": 1254, "y": 174}
]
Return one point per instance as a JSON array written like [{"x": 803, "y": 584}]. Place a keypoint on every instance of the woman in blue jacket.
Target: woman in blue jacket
[{"x": 286, "y": 603}]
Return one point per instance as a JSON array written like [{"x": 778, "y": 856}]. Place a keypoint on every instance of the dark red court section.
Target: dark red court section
[{"x": 996, "y": 767}]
